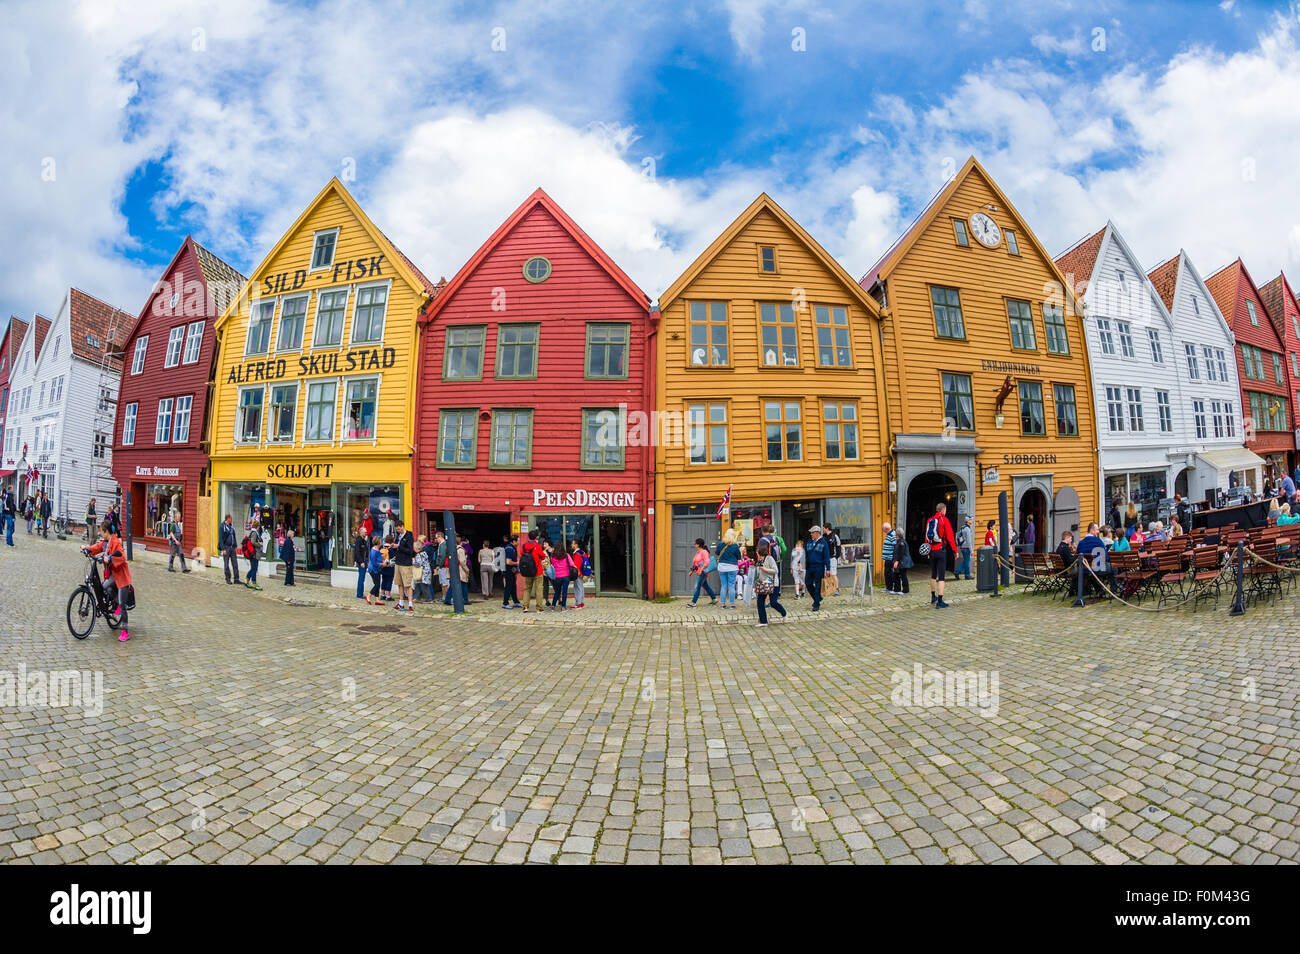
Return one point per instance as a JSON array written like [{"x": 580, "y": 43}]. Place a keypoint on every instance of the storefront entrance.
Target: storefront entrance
[
  {"x": 477, "y": 526},
  {"x": 611, "y": 541},
  {"x": 924, "y": 493},
  {"x": 1033, "y": 506}
]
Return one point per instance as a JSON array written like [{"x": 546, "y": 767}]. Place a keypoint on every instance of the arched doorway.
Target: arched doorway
[
  {"x": 1180, "y": 482},
  {"x": 923, "y": 493},
  {"x": 1033, "y": 504}
]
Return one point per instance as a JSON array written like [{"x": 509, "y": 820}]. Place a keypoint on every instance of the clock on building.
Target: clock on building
[{"x": 985, "y": 229}]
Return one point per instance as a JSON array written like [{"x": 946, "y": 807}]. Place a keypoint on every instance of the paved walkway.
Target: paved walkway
[{"x": 238, "y": 728}]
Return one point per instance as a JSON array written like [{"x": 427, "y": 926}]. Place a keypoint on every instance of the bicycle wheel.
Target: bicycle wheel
[
  {"x": 117, "y": 621},
  {"x": 81, "y": 612}
]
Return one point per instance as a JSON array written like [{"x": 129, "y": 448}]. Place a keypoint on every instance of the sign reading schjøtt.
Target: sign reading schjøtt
[{"x": 594, "y": 499}]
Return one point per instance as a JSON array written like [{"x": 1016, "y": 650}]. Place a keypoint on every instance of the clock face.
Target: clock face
[{"x": 985, "y": 229}]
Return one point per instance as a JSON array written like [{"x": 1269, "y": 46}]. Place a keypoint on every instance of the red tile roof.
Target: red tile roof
[
  {"x": 1271, "y": 295},
  {"x": 97, "y": 328},
  {"x": 17, "y": 329},
  {"x": 1078, "y": 260},
  {"x": 1165, "y": 279},
  {"x": 42, "y": 329},
  {"x": 223, "y": 281}
]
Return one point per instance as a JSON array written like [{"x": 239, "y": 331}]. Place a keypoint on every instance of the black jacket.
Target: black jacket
[
  {"x": 1063, "y": 551},
  {"x": 7, "y": 502},
  {"x": 902, "y": 553},
  {"x": 360, "y": 551},
  {"x": 405, "y": 552},
  {"x": 226, "y": 537},
  {"x": 45, "y": 507}
]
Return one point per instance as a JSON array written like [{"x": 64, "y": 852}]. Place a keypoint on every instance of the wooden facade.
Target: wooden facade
[
  {"x": 530, "y": 343},
  {"x": 984, "y": 349},
  {"x": 159, "y": 457},
  {"x": 767, "y": 336},
  {"x": 313, "y": 402},
  {"x": 1265, "y": 388},
  {"x": 1280, "y": 301}
]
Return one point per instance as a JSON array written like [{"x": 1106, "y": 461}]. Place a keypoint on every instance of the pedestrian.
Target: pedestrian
[
  {"x": 487, "y": 568},
  {"x": 423, "y": 573},
  {"x": 44, "y": 512},
  {"x": 404, "y": 566},
  {"x": 745, "y": 576},
  {"x": 581, "y": 570},
  {"x": 766, "y": 586},
  {"x": 1131, "y": 519},
  {"x": 375, "y": 567},
  {"x": 360, "y": 559},
  {"x": 462, "y": 557},
  {"x": 499, "y": 558},
  {"x": 819, "y": 561},
  {"x": 728, "y": 568},
  {"x": 29, "y": 513},
  {"x": 965, "y": 543},
  {"x": 441, "y": 557},
  {"x": 90, "y": 520},
  {"x": 389, "y": 570},
  {"x": 833, "y": 542},
  {"x": 249, "y": 547},
  {"x": 8, "y": 511},
  {"x": 530, "y": 568},
  {"x": 562, "y": 567},
  {"x": 938, "y": 533},
  {"x": 117, "y": 573},
  {"x": 701, "y": 566},
  {"x": 902, "y": 563},
  {"x": 509, "y": 577},
  {"x": 288, "y": 555},
  {"x": 1030, "y": 536},
  {"x": 887, "y": 546},
  {"x": 174, "y": 534},
  {"x": 799, "y": 569},
  {"x": 226, "y": 543},
  {"x": 1182, "y": 511}
]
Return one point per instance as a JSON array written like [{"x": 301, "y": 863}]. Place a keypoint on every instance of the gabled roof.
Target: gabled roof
[
  {"x": 1225, "y": 282},
  {"x": 412, "y": 275},
  {"x": 447, "y": 290},
  {"x": 889, "y": 261},
  {"x": 96, "y": 327},
  {"x": 41, "y": 330},
  {"x": 223, "y": 281},
  {"x": 1080, "y": 259},
  {"x": 1274, "y": 295},
  {"x": 765, "y": 203},
  {"x": 1164, "y": 278},
  {"x": 17, "y": 330}
]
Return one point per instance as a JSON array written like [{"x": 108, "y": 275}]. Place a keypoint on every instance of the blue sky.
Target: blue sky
[{"x": 653, "y": 124}]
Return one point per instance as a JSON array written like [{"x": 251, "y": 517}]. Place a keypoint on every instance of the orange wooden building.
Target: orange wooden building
[{"x": 987, "y": 373}]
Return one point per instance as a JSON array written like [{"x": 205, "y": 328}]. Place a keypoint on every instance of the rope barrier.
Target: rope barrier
[
  {"x": 1146, "y": 609},
  {"x": 1277, "y": 566}
]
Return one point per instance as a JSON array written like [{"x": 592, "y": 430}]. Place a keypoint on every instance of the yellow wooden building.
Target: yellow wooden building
[
  {"x": 769, "y": 382},
  {"x": 987, "y": 370},
  {"x": 311, "y": 422}
]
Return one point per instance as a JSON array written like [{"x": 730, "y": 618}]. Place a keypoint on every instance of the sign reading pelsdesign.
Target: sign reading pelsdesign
[
  {"x": 335, "y": 362},
  {"x": 594, "y": 499}
]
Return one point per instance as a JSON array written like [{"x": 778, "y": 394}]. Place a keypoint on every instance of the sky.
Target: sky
[{"x": 128, "y": 125}]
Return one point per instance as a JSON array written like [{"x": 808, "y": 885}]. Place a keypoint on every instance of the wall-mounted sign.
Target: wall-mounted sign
[
  {"x": 583, "y": 498},
  {"x": 991, "y": 475},
  {"x": 157, "y": 471},
  {"x": 1009, "y": 367},
  {"x": 298, "y": 471},
  {"x": 353, "y": 269},
  {"x": 360, "y": 359},
  {"x": 1029, "y": 458}
]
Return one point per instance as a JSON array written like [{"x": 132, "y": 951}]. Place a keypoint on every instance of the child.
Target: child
[
  {"x": 746, "y": 578},
  {"x": 288, "y": 555},
  {"x": 798, "y": 568},
  {"x": 583, "y": 566},
  {"x": 249, "y": 549},
  {"x": 423, "y": 573},
  {"x": 375, "y": 568},
  {"x": 117, "y": 574},
  {"x": 386, "y": 573}
]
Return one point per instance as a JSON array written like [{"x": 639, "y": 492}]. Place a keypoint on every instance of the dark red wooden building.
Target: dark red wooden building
[
  {"x": 160, "y": 456},
  {"x": 536, "y": 361},
  {"x": 1261, "y": 368},
  {"x": 1280, "y": 300}
]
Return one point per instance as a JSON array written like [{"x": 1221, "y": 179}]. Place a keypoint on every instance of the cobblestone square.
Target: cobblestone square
[{"x": 241, "y": 728}]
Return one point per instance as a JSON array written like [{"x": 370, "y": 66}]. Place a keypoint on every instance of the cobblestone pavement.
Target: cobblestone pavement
[{"x": 237, "y": 728}]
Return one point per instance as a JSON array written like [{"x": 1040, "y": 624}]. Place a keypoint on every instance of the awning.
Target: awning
[
  {"x": 1232, "y": 458},
  {"x": 6, "y": 473}
]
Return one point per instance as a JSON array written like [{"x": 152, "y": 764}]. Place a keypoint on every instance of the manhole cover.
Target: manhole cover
[{"x": 383, "y": 628}]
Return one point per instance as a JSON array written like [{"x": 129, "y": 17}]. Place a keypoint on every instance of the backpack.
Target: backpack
[
  {"x": 586, "y": 565},
  {"x": 527, "y": 563}
]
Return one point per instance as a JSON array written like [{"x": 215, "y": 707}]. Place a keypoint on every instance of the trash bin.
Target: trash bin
[
  {"x": 1018, "y": 565},
  {"x": 986, "y": 569}
]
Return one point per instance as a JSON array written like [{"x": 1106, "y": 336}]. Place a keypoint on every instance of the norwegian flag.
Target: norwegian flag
[
  {"x": 32, "y": 474},
  {"x": 726, "y": 502}
]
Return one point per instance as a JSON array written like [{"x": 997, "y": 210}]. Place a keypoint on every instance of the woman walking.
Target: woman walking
[
  {"x": 375, "y": 567},
  {"x": 765, "y": 572},
  {"x": 90, "y": 518},
  {"x": 578, "y": 576},
  {"x": 728, "y": 568},
  {"x": 487, "y": 568},
  {"x": 562, "y": 565},
  {"x": 701, "y": 566}
]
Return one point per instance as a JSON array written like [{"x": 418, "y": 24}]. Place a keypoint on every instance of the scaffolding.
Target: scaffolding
[{"x": 102, "y": 484}]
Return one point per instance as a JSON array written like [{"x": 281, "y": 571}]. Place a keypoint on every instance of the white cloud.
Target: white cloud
[{"x": 1073, "y": 45}]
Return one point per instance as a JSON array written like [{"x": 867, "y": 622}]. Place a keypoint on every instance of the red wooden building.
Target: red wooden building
[
  {"x": 535, "y": 361},
  {"x": 1284, "y": 309},
  {"x": 160, "y": 455},
  {"x": 1261, "y": 368}
]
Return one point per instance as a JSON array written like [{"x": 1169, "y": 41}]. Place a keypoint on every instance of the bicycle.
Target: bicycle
[{"x": 89, "y": 601}]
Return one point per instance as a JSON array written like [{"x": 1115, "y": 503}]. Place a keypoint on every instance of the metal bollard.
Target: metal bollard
[
  {"x": 1239, "y": 604},
  {"x": 1078, "y": 562}
]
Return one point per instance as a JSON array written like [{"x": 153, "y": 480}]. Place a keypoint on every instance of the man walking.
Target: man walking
[
  {"x": 404, "y": 561},
  {"x": 887, "y": 556},
  {"x": 227, "y": 543},
  {"x": 510, "y": 569},
  {"x": 965, "y": 542},
  {"x": 8, "y": 513},
  {"x": 360, "y": 558},
  {"x": 174, "y": 532},
  {"x": 819, "y": 561},
  {"x": 288, "y": 556},
  {"x": 938, "y": 533},
  {"x": 44, "y": 513},
  {"x": 530, "y": 568}
]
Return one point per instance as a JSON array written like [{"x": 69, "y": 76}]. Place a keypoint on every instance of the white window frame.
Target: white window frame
[
  {"x": 248, "y": 332},
  {"x": 1136, "y": 419},
  {"x": 1229, "y": 418},
  {"x": 1222, "y": 360},
  {"x": 1125, "y": 331},
  {"x": 334, "y": 416},
  {"x": 1198, "y": 419},
  {"x": 141, "y": 352},
  {"x": 240, "y": 440},
  {"x": 1208, "y": 354},
  {"x": 283, "y": 301},
  {"x": 334, "y": 252},
  {"x": 177, "y": 437},
  {"x": 387, "y": 285},
  {"x": 269, "y": 440},
  {"x": 161, "y": 436},
  {"x": 1165, "y": 412},
  {"x": 193, "y": 336},
  {"x": 347, "y": 383},
  {"x": 1193, "y": 363},
  {"x": 1104, "y": 334},
  {"x": 175, "y": 337},
  {"x": 1115, "y": 408},
  {"x": 1157, "y": 346}
]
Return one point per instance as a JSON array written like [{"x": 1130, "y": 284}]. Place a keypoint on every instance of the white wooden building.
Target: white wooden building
[
  {"x": 1164, "y": 378},
  {"x": 66, "y": 382}
]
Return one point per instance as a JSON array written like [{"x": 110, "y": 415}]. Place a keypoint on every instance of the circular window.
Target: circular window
[{"x": 537, "y": 269}]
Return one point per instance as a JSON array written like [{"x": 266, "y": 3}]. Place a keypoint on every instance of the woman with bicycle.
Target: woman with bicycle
[{"x": 117, "y": 574}]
